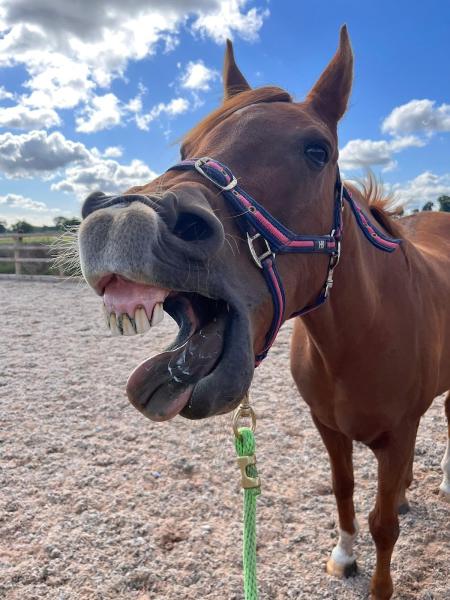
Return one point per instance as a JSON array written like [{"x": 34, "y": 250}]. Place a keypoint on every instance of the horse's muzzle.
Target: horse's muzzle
[{"x": 145, "y": 254}]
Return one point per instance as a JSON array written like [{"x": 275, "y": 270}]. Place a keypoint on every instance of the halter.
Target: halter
[{"x": 260, "y": 227}]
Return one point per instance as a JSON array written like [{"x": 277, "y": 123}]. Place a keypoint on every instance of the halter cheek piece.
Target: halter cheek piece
[{"x": 273, "y": 238}]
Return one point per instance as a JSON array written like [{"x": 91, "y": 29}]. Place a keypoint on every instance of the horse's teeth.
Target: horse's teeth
[
  {"x": 113, "y": 324},
  {"x": 158, "y": 314},
  {"x": 141, "y": 320},
  {"x": 127, "y": 326},
  {"x": 107, "y": 315}
]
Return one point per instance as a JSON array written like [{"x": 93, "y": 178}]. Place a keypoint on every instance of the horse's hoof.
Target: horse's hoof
[
  {"x": 342, "y": 570},
  {"x": 403, "y": 508}
]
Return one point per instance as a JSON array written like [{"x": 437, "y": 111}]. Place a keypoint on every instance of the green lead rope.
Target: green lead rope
[{"x": 245, "y": 447}]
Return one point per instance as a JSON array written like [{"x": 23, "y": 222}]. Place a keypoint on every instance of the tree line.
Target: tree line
[
  {"x": 443, "y": 201},
  {"x": 22, "y": 226}
]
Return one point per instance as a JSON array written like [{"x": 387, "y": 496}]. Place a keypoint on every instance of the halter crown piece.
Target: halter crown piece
[{"x": 259, "y": 226}]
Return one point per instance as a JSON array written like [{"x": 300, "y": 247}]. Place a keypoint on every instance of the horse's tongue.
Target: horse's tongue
[
  {"x": 160, "y": 387},
  {"x": 123, "y": 297}
]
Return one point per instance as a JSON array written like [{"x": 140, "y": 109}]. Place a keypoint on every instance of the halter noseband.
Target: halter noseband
[{"x": 259, "y": 226}]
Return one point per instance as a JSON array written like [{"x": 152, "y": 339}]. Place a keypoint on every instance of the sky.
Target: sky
[{"x": 94, "y": 95}]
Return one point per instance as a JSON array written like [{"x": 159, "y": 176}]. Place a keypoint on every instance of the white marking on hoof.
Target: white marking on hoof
[
  {"x": 342, "y": 562},
  {"x": 444, "y": 488}
]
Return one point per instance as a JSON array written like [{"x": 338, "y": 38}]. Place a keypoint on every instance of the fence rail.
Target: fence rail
[{"x": 19, "y": 246}]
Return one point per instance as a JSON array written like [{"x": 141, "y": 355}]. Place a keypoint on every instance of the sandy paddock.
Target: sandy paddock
[{"x": 99, "y": 503}]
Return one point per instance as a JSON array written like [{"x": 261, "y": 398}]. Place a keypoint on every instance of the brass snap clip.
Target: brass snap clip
[
  {"x": 244, "y": 411},
  {"x": 249, "y": 478}
]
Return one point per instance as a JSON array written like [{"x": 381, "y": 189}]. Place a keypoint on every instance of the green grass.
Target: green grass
[
  {"x": 33, "y": 240},
  {"x": 6, "y": 267}
]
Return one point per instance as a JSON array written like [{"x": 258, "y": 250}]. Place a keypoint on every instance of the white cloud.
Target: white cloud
[
  {"x": 198, "y": 77},
  {"x": 15, "y": 207},
  {"x": 424, "y": 188},
  {"x": 18, "y": 201},
  {"x": 57, "y": 81},
  {"x": 417, "y": 115},
  {"x": 47, "y": 156},
  {"x": 38, "y": 153},
  {"x": 135, "y": 104},
  {"x": 113, "y": 152},
  {"x": 5, "y": 95},
  {"x": 106, "y": 175},
  {"x": 24, "y": 117},
  {"x": 369, "y": 153},
  {"x": 228, "y": 17},
  {"x": 175, "y": 107},
  {"x": 103, "y": 112},
  {"x": 71, "y": 49}
]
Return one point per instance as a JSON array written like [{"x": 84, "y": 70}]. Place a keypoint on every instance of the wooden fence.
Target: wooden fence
[{"x": 17, "y": 250}]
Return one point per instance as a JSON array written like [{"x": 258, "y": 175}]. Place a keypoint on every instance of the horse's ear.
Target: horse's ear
[
  {"x": 233, "y": 80},
  {"x": 329, "y": 96}
]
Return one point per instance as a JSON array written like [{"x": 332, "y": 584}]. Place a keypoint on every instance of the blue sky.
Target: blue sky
[{"x": 95, "y": 95}]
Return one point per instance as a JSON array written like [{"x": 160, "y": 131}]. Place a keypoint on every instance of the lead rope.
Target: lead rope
[{"x": 245, "y": 447}]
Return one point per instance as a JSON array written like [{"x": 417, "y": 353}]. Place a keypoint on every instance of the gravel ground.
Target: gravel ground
[{"x": 99, "y": 503}]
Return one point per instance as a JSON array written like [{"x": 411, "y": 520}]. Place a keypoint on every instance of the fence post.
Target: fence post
[{"x": 17, "y": 264}]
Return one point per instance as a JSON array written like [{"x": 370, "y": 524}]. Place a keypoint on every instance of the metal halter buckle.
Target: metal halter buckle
[
  {"x": 334, "y": 260},
  {"x": 328, "y": 283},
  {"x": 203, "y": 161},
  {"x": 258, "y": 258}
]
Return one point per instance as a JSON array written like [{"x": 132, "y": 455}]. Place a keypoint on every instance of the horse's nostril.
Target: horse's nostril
[{"x": 191, "y": 227}]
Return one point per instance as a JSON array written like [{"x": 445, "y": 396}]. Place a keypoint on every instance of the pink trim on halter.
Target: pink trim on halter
[
  {"x": 300, "y": 244},
  {"x": 371, "y": 230},
  {"x": 267, "y": 224},
  {"x": 280, "y": 301},
  {"x": 273, "y": 230},
  {"x": 384, "y": 242},
  {"x": 211, "y": 163}
]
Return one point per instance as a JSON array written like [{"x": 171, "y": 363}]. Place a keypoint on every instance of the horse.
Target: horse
[{"x": 232, "y": 246}]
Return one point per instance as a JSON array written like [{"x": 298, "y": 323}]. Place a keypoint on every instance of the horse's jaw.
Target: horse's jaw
[{"x": 205, "y": 371}]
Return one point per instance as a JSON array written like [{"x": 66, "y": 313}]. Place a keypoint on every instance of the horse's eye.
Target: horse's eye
[{"x": 318, "y": 154}]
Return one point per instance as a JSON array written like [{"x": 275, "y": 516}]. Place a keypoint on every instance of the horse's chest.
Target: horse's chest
[{"x": 352, "y": 399}]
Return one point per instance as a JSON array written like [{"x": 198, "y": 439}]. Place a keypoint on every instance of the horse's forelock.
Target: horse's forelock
[{"x": 233, "y": 104}]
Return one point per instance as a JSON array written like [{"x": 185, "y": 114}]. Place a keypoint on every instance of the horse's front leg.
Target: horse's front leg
[
  {"x": 342, "y": 562},
  {"x": 403, "y": 504},
  {"x": 393, "y": 452}
]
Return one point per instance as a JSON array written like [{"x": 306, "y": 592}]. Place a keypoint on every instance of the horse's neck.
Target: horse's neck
[{"x": 364, "y": 279}]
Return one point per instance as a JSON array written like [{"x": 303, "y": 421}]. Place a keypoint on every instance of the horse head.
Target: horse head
[{"x": 174, "y": 243}]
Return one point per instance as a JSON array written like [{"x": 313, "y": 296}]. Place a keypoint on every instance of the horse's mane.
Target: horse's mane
[
  {"x": 231, "y": 105},
  {"x": 382, "y": 205}
]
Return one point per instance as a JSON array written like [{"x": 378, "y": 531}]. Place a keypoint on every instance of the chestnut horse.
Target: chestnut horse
[{"x": 368, "y": 361}]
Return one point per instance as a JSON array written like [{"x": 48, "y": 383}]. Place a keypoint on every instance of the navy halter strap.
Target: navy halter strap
[{"x": 262, "y": 230}]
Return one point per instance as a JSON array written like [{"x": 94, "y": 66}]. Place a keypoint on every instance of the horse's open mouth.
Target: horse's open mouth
[{"x": 162, "y": 386}]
